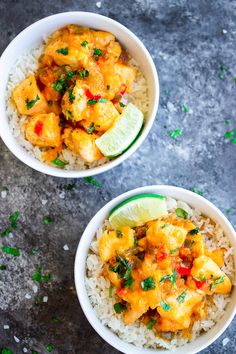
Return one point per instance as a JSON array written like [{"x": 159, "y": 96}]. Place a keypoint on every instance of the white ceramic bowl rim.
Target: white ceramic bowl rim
[
  {"x": 61, "y": 19},
  {"x": 192, "y": 199}
]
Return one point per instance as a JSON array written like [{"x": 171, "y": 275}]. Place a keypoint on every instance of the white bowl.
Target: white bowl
[
  {"x": 34, "y": 34},
  {"x": 193, "y": 200}
]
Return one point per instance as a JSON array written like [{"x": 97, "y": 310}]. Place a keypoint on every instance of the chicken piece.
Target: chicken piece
[
  {"x": 118, "y": 77},
  {"x": 28, "y": 98},
  {"x": 113, "y": 277},
  {"x": 95, "y": 81},
  {"x": 43, "y": 130},
  {"x": 48, "y": 75},
  {"x": 110, "y": 244},
  {"x": 82, "y": 144},
  {"x": 113, "y": 52},
  {"x": 204, "y": 266},
  {"x": 178, "y": 307},
  {"x": 102, "y": 39},
  {"x": 167, "y": 234},
  {"x": 73, "y": 103},
  {"x": 50, "y": 94},
  {"x": 196, "y": 244},
  {"x": 102, "y": 116},
  {"x": 217, "y": 256},
  {"x": 70, "y": 46}
]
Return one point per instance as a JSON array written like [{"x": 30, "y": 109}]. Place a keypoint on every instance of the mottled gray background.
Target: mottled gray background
[{"x": 188, "y": 41}]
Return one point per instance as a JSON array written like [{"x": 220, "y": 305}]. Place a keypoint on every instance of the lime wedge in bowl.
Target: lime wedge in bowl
[
  {"x": 123, "y": 133},
  {"x": 137, "y": 210}
]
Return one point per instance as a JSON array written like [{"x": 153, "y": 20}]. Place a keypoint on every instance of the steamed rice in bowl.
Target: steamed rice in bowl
[
  {"x": 28, "y": 64},
  {"x": 102, "y": 296}
]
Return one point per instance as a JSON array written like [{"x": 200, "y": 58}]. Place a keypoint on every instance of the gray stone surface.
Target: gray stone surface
[{"x": 188, "y": 41}]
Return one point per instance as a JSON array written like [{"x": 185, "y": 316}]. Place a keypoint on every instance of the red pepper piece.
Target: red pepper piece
[
  {"x": 89, "y": 94},
  {"x": 199, "y": 283},
  {"x": 96, "y": 97},
  {"x": 123, "y": 89},
  {"x": 184, "y": 271},
  {"x": 38, "y": 127},
  {"x": 122, "y": 291}
]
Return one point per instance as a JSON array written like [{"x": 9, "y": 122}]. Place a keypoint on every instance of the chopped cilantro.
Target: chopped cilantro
[
  {"x": 91, "y": 128},
  {"x": 194, "y": 231},
  {"x": 119, "y": 234},
  {"x": 3, "y": 267},
  {"x": 70, "y": 74},
  {"x": 128, "y": 283},
  {"x": 148, "y": 284},
  {"x": 59, "y": 162},
  {"x": 108, "y": 87},
  {"x": 97, "y": 53},
  {"x": 13, "y": 219},
  {"x": 223, "y": 71},
  {"x": 196, "y": 190},
  {"x": 165, "y": 225},
  {"x": 171, "y": 278},
  {"x": 119, "y": 307},
  {"x": 6, "y": 231},
  {"x": 127, "y": 273},
  {"x": 231, "y": 134},
  {"x": 93, "y": 181},
  {"x": 135, "y": 241},
  {"x": 63, "y": 51},
  {"x": 103, "y": 100},
  {"x": 47, "y": 220},
  {"x": 39, "y": 277},
  {"x": 151, "y": 323},
  {"x": 118, "y": 269},
  {"x": 60, "y": 85},
  {"x": 49, "y": 348},
  {"x": 122, "y": 261},
  {"x": 71, "y": 95},
  {"x": 34, "y": 251},
  {"x": 13, "y": 251},
  {"x": 181, "y": 213},
  {"x": 50, "y": 103},
  {"x": 30, "y": 104},
  {"x": 229, "y": 210},
  {"x": 181, "y": 297},
  {"x": 83, "y": 73},
  {"x": 165, "y": 306},
  {"x": 34, "y": 352},
  {"x": 71, "y": 186},
  {"x": 185, "y": 108},
  {"x": 94, "y": 101},
  {"x": 6, "y": 350},
  {"x": 84, "y": 44},
  {"x": 175, "y": 133},
  {"x": 121, "y": 104},
  {"x": 174, "y": 251},
  {"x": 217, "y": 281},
  {"x": 227, "y": 121}
]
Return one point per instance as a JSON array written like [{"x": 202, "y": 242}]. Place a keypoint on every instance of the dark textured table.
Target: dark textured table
[{"x": 193, "y": 46}]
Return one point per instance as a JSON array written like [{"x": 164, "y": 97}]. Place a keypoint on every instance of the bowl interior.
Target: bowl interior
[
  {"x": 34, "y": 35},
  {"x": 193, "y": 200}
]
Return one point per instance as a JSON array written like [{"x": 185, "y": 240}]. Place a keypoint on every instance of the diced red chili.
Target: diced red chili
[
  {"x": 91, "y": 96},
  {"x": 123, "y": 89},
  {"x": 162, "y": 252},
  {"x": 122, "y": 291},
  {"x": 96, "y": 97},
  {"x": 184, "y": 271},
  {"x": 38, "y": 127},
  {"x": 199, "y": 283}
]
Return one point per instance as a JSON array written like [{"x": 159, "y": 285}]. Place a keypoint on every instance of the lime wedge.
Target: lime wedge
[
  {"x": 125, "y": 130},
  {"x": 137, "y": 210}
]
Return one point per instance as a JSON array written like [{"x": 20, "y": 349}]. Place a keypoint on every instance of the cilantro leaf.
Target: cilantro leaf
[
  {"x": 165, "y": 306},
  {"x": 171, "y": 278},
  {"x": 97, "y": 53},
  {"x": 181, "y": 213},
  {"x": 217, "y": 281},
  {"x": 185, "y": 108},
  {"x": 47, "y": 220},
  {"x": 59, "y": 162},
  {"x": 175, "y": 133},
  {"x": 151, "y": 323},
  {"x": 196, "y": 190},
  {"x": 181, "y": 297},
  {"x": 119, "y": 307},
  {"x": 13, "y": 251},
  {"x": 63, "y": 51},
  {"x": 13, "y": 219},
  {"x": 194, "y": 231},
  {"x": 84, "y": 44},
  {"x": 6, "y": 350},
  {"x": 30, "y": 104},
  {"x": 148, "y": 284},
  {"x": 91, "y": 128},
  {"x": 93, "y": 181}
]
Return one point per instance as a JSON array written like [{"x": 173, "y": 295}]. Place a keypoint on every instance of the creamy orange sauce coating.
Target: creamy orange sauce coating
[
  {"x": 162, "y": 273},
  {"x": 74, "y": 96}
]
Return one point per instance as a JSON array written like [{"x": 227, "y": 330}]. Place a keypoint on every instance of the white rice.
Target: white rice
[
  {"x": 27, "y": 64},
  {"x": 137, "y": 333}
]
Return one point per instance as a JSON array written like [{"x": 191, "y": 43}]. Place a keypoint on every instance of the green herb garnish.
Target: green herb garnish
[
  {"x": 135, "y": 241},
  {"x": 71, "y": 186},
  {"x": 3, "y": 267},
  {"x": 196, "y": 190},
  {"x": 34, "y": 251},
  {"x": 83, "y": 73},
  {"x": 71, "y": 95},
  {"x": 60, "y": 85},
  {"x": 151, "y": 323},
  {"x": 175, "y": 133},
  {"x": 59, "y": 162},
  {"x": 63, "y": 51},
  {"x": 119, "y": 307},
  {"x": 121, "y": 104},
  {"x": 165, "y": 306},
  {"x": 91, "y": 128},
  {"x": 122, "y": 261},
  {"x": 47, "y": 220},
  {"x": 13, "y": 251},
  {"x": 93, "y": 101},
  {"x": 171, "y": 278},
  {"x": 128, "y": 283},
  {"x": 97, "y": 53},
  {"x": 181, "y": 297},
  {"x": 50, "y": 103},
  {"x": 231, "y": 134},
  {"x": 30, "y": 104},
  {"x": 217, "y": 281},
  {"x": 174, "y": 251},
  {"x": 70, "y": 74},
  {"x": 228, "y": 210},
  {"x": 6, "y": 232},
  {"x": 13, "y": 219},
  {"x": 181, "y": 213},
  {"x": 118, "y": 269},
  {"x": 148, "y": 284},
  {"x": 49, "y": 348},
  {"x": 108, "y": 87},
  {"x": 93, "y": 181},
  {"x": 194, "y": 231},
  {"x": 6, "y": 350},
  {"x": 39, "y": 277},
  {"x": 119, "y": 234},
  {"x": 84, "y": 44},
  {"x": 185, "y": 108}
]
